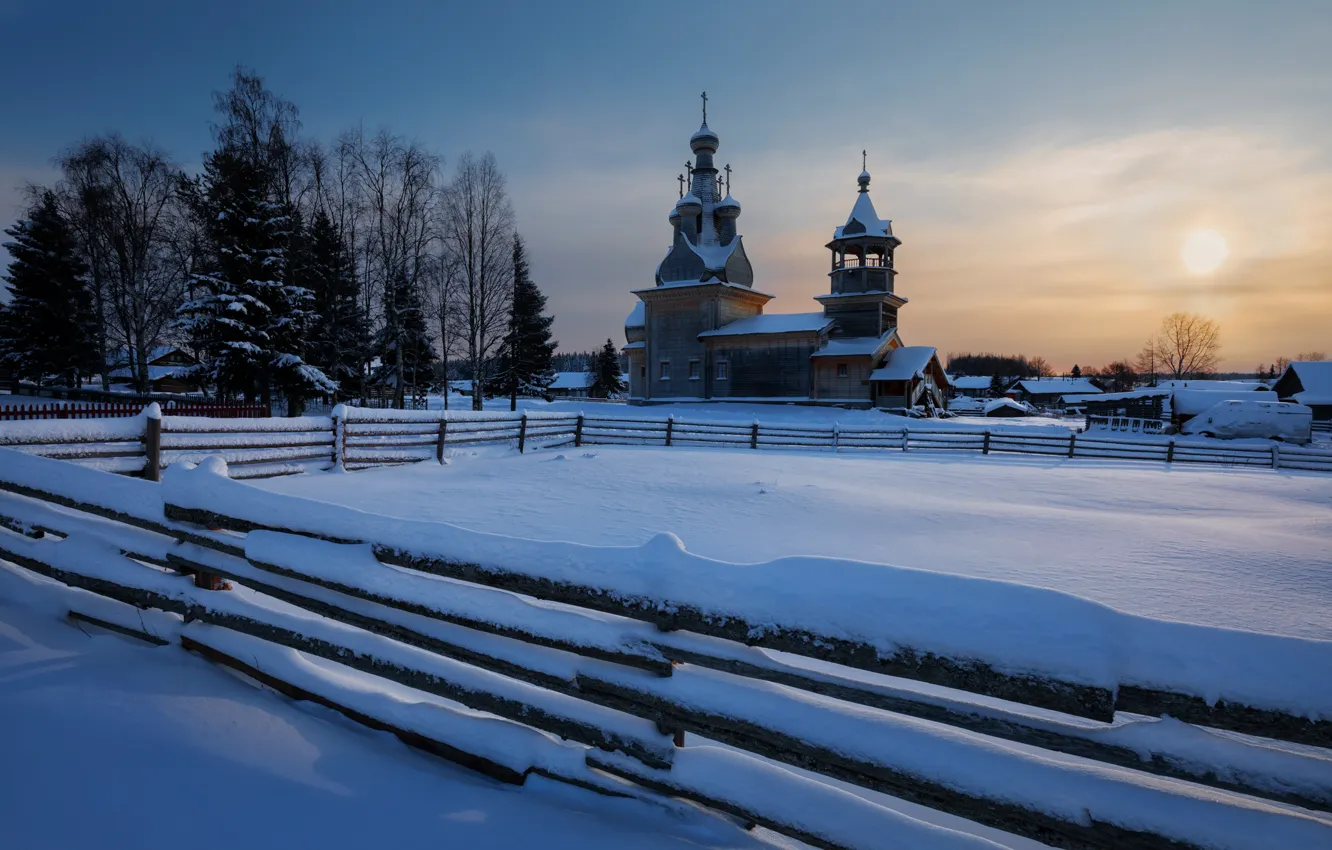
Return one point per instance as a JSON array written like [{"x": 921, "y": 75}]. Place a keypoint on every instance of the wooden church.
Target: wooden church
[{"x": 700, "y": 333}]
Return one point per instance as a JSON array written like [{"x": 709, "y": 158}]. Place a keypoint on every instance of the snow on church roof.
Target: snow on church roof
[
  {"x": 904, "y": 363},
  {"x": 714, "y": 256},
  {"x": 864, "y": 213},
  {"x": 773, "y": 323},
  {"x": 854, "y": 346},
  {"x": 637, "y": 316}
]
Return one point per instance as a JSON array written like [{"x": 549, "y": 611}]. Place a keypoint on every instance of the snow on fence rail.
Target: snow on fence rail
[
  {"x": 592, "y": 688},
  {"x": 360, "y": 438}
]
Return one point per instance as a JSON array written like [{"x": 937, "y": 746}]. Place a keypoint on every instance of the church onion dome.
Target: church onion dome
[
  {"x": 728, "y": 207},
  {"x": 689, "y": 205},
  {"x": 704, "y": 140},
  {"x": 864, "y": 181},
  {"x": 674, "y": 216}
]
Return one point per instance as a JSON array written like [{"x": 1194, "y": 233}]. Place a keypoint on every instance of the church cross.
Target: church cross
[
  {"x": 680, "y": 178},
  {"x": 705, "y": 107},
  {"x": 728, "y": 178},
  {"x": 863, "y": 160}
]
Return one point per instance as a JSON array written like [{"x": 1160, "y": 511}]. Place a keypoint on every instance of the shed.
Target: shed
[
  {"x": 972, "y": 386},
  {"x": 1006, "y": 407},
  {"x": 168, "y": 370},
  {"x": 1309, "y": 383},
  {"x": 911, "y": 375},
  {"x": 571, "y": 384},
  {"x": 1048, "y": 391}
]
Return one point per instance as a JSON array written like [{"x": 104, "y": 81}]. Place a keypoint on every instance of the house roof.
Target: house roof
[
  {"x": 572, "y": 380},
  {"x": 972, "y": 382},
  {"x": 905, "y": 363},
  {"x": 854, "y": 346},
  {"x": 1315, "y": 381},
  {"x": 773, "y": 323},
  {"x": 155, "y": 373},
  {"x": 1231, "y": 386},
  {"x": 1057, "y": 386}
]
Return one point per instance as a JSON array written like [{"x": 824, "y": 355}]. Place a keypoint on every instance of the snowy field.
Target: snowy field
[
  {"x": 128, "y": 747},
  {"x": 1245, "y": 549}
]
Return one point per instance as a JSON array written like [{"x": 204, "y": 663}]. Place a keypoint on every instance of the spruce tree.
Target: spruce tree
[
  {"x": 335, "y": 340},
  {"x": 1077, "y": 371},
  {"x": 526, "y": 365},
  {"x": 50, "y": 327},
  {"x": 607, "y": 381},
  {"x": 418, "y": 355}
]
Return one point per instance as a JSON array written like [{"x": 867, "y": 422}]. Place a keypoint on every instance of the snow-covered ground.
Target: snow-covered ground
[
  {"x": 1241, "y": 549},
  {"x": 113, "y": 744}
]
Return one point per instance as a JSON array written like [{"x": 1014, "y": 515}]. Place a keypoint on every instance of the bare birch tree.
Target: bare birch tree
[
  {"x": 478, "y": 233},
  {"x": 1186, "y": 346},
  {"x": 134, "y": 219}
]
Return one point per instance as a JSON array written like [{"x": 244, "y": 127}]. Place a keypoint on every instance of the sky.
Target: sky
[{"x": 1044, "y": 163}]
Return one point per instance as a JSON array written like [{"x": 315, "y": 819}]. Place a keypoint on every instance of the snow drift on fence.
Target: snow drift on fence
[
  {"x": 1015, "y": 628},
  {"x": 127, "y": 429},
  {"x": 132, "y": 497}
]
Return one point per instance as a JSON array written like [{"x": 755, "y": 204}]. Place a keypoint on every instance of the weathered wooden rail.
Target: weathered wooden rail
[{"x": 466, "y": 639}]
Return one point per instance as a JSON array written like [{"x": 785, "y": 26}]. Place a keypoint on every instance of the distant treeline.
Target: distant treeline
[{"x": 1008, "y": 365}]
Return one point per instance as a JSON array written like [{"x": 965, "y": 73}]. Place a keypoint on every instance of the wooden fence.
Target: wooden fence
[
  {"x": 118, "y": 410},
  {"x": 363, "y": 438},
  {"x": 627, "y": 688}
]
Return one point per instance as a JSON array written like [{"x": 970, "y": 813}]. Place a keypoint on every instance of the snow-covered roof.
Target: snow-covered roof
[
  {"x": 637, "y": 316},
  {"x": 972, "y": 382},
  {"x": 1190, "y": 384},
  {"x": 154, "y": 372},
  {"x": 863, "y": 212},
  {"x": 854, "y": 346},
  {"x": 728, "y": 201},
  {"x": 905, "y": 363},
  {"x": 1142, "y": 392},
  {"x": 1315, "y": 379},
  {"x": 773, "y": 323},
  {"x": 1059, "y": 386},
  {"x": 633, "y": 346},
  {"x": 714, "y": 256},
  {"x": 572, "y": 380},
  {"x": 1193, "y": 401},
  {"x": 709, "y": 282},
  {"x": 690, "y": 198},
  {"x": 1004, "y": 403}
]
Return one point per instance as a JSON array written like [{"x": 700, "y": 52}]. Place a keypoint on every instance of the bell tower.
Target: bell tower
[{"x": 861, "y": 298}]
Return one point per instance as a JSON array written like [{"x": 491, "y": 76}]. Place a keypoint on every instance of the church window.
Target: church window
[
  {"x": 695, "y": 370},
  {"x": 841, "y": 370},
  {"x": 723, "y": 370},
  {"x": 665, "y": 370}
]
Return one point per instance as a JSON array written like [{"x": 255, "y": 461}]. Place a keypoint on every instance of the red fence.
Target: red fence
[{"x": 116, "y": 410}]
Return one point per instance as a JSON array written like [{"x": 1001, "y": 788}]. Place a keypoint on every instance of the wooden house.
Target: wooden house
[
  {"x": 168, "y": 370},
  {"x": 1310, "y": 384}
]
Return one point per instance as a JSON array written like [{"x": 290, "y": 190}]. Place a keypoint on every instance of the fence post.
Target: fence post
[
  {"x": 1170, "y": 451},
  {"x": 985, "y": 446},
  {"x": 522, "y": 432},
  {"x": 837, "y": 432},
  {"x": 1276, "y": 455},
  {"x": 753, "y": 435},
  {"x": 670, "y": 428},
  {"x": 152, "y": 443},
  {"x": 1072, "y": 441},
  {"x": 578, "y": 432},
  {"x": 906, "y": 436},
  {"x": 443, "y": 435}
]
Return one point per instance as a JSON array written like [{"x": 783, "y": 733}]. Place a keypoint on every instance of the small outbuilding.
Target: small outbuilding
[
  {"x": 972, "y": 386},
  {"x": 1047, "y": 392},
  {"x": 168, "y": 370},
  {"x": 1310, "y": 384},
  {"x": 1005, "y": 407},
  {"x": 571, "y": 384}
]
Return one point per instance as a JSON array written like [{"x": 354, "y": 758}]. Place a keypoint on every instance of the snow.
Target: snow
[
  {"x": 573, "y": 380},
  {"x": 972, "y": 382},
  {"x": 689, "y": 199},
  {"x": 863, "y": 212},
  {"x": 1192, "y": 402},
  {"x": 131, "y": 496},
  {"x": 154, "y": 372},
  {"x": 1315, "y": 380},
  {"x": 1239, "y": 419},
  {"x": 713, "y": 255},
  {"x": 106, "y": 720},
  {"x": 1015, "y": 628},
  {"x": 1192, "y": 544},
  {"x": 773, "y": 323},
  {"x": 854, "y": 346},
  {"x": 109, "y": 430},
  {"x": 1058, "y": 386},
  {"x": 728, "y": 201},
  {"x": 637, "y": 317},
  {"x": 1005, "y": 406},
  {"x": 905, "y": 363},
  {"x": 1224, "y": 386}
]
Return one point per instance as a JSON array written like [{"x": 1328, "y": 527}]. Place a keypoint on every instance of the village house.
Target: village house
[
  {"x": 168, "y": 370},
  {"x": 971, "y": 386},
  {"x": 571, "y": 384},
  {"x": 1048, "y": 392},
  {"x": 700, "y": 333},
  {"x": 1310, "y": 384}
]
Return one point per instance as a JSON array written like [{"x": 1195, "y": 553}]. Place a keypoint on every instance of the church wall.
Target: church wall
[
  {"x": 673, "y": 328},
  {"x": 763, "y": 366},
  {"x": 854, "y": 386},
  {"x": 636, "y": 375},
  {"x": 860, "y": 320}
]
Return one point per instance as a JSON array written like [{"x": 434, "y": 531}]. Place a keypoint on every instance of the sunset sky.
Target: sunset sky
[{"x": 1045, "y": 163}]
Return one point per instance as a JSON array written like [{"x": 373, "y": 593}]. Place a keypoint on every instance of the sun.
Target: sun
[{"x": 1204, "y": 251}]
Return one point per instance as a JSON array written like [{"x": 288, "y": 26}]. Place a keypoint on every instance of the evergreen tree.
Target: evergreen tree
[
  {"x": 50, "y": 327},
  {"x": 1077, "y": 372},
  {"x": 998, "y": 386},
  {"x": 608, "y": 381},
  {"x": 335, "y": 341},
  {"x": 528, "y": 351},
  {"x": 418, "y": 354}
]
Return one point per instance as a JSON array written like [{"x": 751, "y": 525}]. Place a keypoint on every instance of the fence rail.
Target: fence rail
[
  {"x": 598, "y": 671},
  {"x": 359, "y": 438},
  {"x": 124, "y": 409}
]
